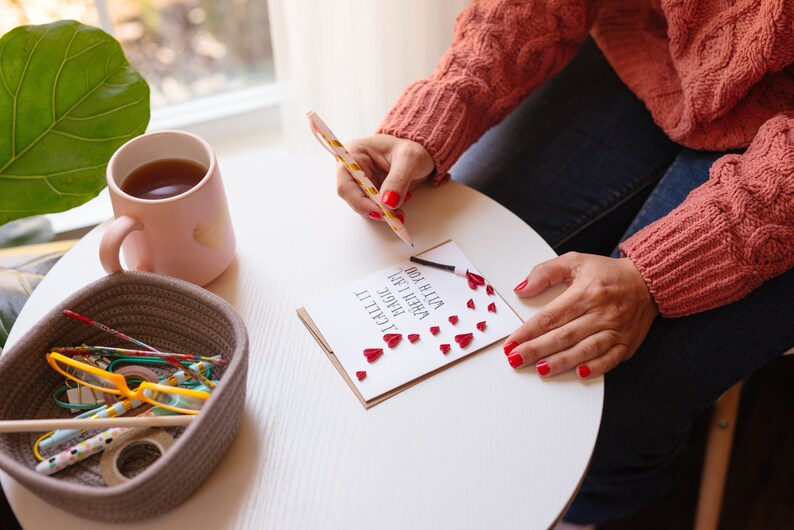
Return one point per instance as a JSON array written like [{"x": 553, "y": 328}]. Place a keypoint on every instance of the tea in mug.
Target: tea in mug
[{"x": 163, "y": 178}]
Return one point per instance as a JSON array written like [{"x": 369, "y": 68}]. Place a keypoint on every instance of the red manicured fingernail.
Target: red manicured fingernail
[
  {"x": 583, "y": 370},
  {"x": 520, "y": 286},
  {"x": 401, "y": 217},
  {"x": 374, "y": 215},
  {"x": 408, "y": 196},
  {"x": 391, "y": 199},
  {"x": 510, "y": 346},
  {"x": 515, "y": 360},
  {"x": 542, "y": 367}
]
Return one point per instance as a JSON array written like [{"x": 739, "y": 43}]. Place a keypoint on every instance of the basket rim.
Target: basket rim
[{"x": 235, "y": 372}]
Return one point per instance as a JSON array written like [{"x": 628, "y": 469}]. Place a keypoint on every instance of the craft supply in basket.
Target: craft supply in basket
[{"x": 170, "y": 314}]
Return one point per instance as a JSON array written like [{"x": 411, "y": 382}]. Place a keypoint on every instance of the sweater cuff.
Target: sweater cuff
[
  {"x": 433, "y": 116},
  {"x": 687, "y": 262}
]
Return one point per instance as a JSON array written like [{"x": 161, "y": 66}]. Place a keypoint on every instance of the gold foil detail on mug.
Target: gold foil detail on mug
[{"x": 211, "y": 233}]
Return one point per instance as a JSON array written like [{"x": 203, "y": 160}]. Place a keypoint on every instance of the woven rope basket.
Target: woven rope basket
[{"x": 169, "y": 314}]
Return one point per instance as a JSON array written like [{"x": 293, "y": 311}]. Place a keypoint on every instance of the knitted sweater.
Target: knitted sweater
[{"x": 715, "y": 74}]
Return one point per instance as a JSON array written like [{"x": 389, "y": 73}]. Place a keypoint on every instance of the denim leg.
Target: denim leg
[
  {"x": 689, "y": 170},
  {"x": 574, "y": 155},
  {"x": 652, "y": 400}
]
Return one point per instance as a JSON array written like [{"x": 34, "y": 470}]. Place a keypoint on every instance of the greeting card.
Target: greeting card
[{"x": 398, "y": 326}]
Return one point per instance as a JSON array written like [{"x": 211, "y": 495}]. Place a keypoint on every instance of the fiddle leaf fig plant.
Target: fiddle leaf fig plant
[{"x": 68, "y": 99}]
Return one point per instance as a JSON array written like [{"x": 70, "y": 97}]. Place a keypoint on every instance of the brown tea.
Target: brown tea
[{"x": 163, "y": 178}]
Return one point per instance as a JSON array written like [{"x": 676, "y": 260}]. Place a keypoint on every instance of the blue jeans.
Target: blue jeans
[{"x": 582, "y": 162}]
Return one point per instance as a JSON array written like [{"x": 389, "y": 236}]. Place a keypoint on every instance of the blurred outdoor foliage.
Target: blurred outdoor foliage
[{"x": 185, "y": 49}]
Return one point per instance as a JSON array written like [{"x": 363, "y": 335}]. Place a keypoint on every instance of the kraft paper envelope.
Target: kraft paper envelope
[{"x": 407, "y": 298}]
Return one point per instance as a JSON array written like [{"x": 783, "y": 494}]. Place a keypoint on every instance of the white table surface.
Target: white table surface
[{"x": 479, "y": 445}]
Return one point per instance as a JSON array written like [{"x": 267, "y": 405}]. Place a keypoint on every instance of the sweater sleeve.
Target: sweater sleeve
[
  {"x": 730, "y": 234},
  {"x": 501, "y": 50}
]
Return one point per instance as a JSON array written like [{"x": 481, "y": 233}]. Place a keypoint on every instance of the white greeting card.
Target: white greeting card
[{"x": 393, "y": 327}]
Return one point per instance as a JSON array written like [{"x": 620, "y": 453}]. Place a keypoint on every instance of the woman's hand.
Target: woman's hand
[
  {"x": 597, "y": 323},
  {"x": 395, "y": 165}
]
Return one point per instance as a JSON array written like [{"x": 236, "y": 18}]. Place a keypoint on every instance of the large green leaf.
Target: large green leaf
[{"x": 68, "y": 100}]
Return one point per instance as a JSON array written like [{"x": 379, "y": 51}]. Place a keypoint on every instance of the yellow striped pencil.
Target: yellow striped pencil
[{"x": 335, "y": 147}]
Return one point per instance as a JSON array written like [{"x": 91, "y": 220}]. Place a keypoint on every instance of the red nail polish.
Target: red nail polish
[
  {"x": 401, "y": 217},
  {"x": 391, "y": 199},
  {"x": 520, "y": 286},
  {"x": 542, "y": 367},
  {"x": 515, "y": 360},
  {"x": 583, "y": 370},
  {"x": 408, "y": 196},
  {"x": 374, "y": 215},
  {"x": 510, "y": 346}
]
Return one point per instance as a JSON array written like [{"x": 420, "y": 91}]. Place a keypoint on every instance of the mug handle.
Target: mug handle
[{"x": 110, "y": 246}]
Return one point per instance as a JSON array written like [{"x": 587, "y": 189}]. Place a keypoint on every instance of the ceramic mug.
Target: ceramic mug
[{"x": 188, "y": 235}]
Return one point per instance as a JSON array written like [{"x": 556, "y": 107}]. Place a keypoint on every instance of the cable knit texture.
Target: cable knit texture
[
  {"x": 710, "y": 71},
  {"x": 502, "y": 49},
  {"x": 729, "y": 235},
  {"x": 715, "y": 74}
]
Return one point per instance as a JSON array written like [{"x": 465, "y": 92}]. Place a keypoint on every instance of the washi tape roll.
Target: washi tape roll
[
  {"x": 133, "y": 371},
  {"x": 132, "y": 450}
]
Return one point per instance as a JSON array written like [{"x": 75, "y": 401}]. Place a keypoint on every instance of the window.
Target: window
[
  {"x": 185, "y": 49},
  {"x": 209, "y": 65}
]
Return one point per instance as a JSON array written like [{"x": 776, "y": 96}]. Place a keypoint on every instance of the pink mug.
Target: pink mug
[{"x": 187, "y": 236}]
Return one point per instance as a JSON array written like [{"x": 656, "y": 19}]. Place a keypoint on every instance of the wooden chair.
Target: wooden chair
[{"x": 717, "y": 458}]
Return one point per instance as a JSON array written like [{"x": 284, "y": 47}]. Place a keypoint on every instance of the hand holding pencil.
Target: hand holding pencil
[{"x": 393, "y": 165}]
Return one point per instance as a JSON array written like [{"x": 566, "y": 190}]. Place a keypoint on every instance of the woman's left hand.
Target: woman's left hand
[{"x": 597, "y": 323}]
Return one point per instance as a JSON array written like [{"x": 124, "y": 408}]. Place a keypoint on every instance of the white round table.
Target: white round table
[{"x": 479, "y": 445}]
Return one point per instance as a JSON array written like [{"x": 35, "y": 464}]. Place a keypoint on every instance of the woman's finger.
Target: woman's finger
[
  {"x": 585, "y": 351},
  {"x": 601, "y": 365},
  {"x": 560, "y": 339},
  {"x": 351, "y": 192},
  {"x": 556, "y": 314},
  {"x": 558, "y": 270},
  {"x": 409, "y": 162}
]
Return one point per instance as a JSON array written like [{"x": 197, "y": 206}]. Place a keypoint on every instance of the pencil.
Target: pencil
[{"x": 329, "y": 141}]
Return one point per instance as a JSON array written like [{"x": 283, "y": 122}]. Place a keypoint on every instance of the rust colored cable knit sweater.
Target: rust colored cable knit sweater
[{"x": 715, "y": 74}]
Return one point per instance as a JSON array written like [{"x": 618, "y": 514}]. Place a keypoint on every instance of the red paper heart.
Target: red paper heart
[
  {"x": 373, "y": 354},
  {"x": 361, "y": 375},
  {"x": 481, "y": 325},
  {"x": 476, "y": 278},
  {"x": 413, "y": 337},
  {"x": 464, "y": 339},
  {"x": 453, "y": 319},
  {"x": 470, "y": 304},
  {"x": 472, "y": 284},
  {"x": 392, "y": 339},
  {"x": 492, "y": 307},
  {"x": 444, "y": 348},
  {"x": 489, "y": 289},
  {"x": 434, "y": 330}
]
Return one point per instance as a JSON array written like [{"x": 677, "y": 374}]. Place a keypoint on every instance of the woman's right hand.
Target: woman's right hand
[{"x": 395, "y": 166}]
